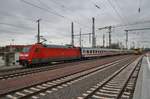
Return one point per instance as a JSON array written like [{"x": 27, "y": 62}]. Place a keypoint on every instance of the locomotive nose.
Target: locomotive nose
[{"x": 23, "y": 55}]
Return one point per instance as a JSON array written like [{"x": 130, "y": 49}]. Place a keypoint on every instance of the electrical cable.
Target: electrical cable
[
  {"x": 63, "y": 6},
  {"x": 34, "y": 5},
  {"x": 120, "y": 9},
  {"x": 47, "y": 10},
  {"x": 139, "y": 6},
  {"x": 114, "y": 8},
  {"x": 12, "y": 25}
]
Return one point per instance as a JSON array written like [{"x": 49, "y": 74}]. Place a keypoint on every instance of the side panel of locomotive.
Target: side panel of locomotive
[{"x": 45, "y": 54}]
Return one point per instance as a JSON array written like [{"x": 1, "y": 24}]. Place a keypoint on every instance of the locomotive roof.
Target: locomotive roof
[
  {"x": 57, "y": 46},
  {"x": 105, "y": 49}
]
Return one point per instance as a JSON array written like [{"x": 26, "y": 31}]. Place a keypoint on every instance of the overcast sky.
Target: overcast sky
[{"x": 18, "y": 20}]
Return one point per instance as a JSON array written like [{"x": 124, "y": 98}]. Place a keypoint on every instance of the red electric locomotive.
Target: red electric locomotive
[{"x": 39, "y": 53}]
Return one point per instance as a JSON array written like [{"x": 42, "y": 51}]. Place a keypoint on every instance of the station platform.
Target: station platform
[{"x": 142, "y": 89}]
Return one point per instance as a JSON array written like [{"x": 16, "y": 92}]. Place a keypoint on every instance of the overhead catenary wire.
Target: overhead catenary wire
[
  {"x": 118, "y": 6},
  {"x": 54, "y": 13},
  {"x": 34, "y": 5},
  {"x": 15, "y": 16},
  {"x": 130, "y": 24},
  {"x": 116, "y": 11},
  {"x": 96, "y": 5},
  {"x": 10, "y": 31},
  {"x": 32, "y": 20},
  {"x": 64, "y": 7},
  {"x": 102, "y": 6},
  {"x": 12, "y": 25},
  {"x": 54, "y": 1},
  {"x": 139, "y": 6},
  {"x": 48, "y": 7}
]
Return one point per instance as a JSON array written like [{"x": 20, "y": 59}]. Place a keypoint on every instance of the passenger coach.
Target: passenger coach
[
  {"x": 42, "y": 54},
  {"x": 98, "y": 52}
]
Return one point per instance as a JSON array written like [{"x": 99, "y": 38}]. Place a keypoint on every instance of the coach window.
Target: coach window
[
  {"x": 87, "y": 51},
  {"x": 82, "y": 51},
  {"x": 90, "y": 51}
]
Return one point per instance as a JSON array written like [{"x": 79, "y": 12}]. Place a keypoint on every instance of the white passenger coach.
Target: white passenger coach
[{"x": 97, "y": 52}]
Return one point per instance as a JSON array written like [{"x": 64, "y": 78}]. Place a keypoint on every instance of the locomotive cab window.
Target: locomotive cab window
[{"x": 26, "y": 49}]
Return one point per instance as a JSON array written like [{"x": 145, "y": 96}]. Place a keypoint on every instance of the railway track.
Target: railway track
[
  {"x": 26, "y": 71},
  {"x": 120, "y": 85},
  {"x": 53, "y": 85}
]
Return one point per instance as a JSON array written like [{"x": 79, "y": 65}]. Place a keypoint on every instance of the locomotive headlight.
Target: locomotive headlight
[
  {"x": 20, "y": 55},
  {"x": 26, "y": 55}
]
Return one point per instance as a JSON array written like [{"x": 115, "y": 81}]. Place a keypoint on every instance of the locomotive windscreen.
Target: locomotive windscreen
[{"x": 26, "y": 49}]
